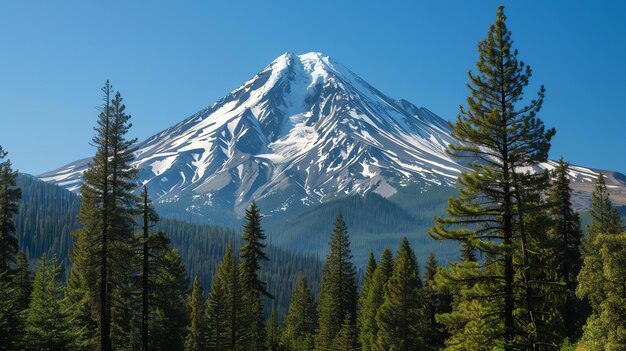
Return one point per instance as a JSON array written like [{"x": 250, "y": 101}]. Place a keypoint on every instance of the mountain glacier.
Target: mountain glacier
[{"x": 303, "y": 131}]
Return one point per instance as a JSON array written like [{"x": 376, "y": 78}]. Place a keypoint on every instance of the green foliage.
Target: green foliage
[
  {"x": 9, "y": 196},
  {"x": 216, "y": 312},
  {"x": 566, "y": 235},
  {"x": 338, "y": 291},
  {"x": 22, "y": 281},
  {"x": 346, "y": 339},
  {"x": 375, "y": 223},
  {"x": 197, "y": 328},
  {"x": 497, "y": 204},
  {"x": 437, "y": 302},
  {"x": 10, "y": 323},
  {"x": 604, "y": 217},
  {"x": 300, "y": 320},
  {"x": 401, "y": 318},
  {"x": 362, "y": 316},
  {"x": 602, "y": 281},
  {"x": 47, "y": 215},
  {"x": 252, "y": 254},
  {"x": 567, "y": 346},
  {"x": 160, "y": 279},
  {"x": 225, "y": 309},
  {"x": 253, "y": 251},
  {"x": 104, "y": 242},
  {"x": 368, "y": 329},
  {"x": 46, "y": 327},
  {"x": 468, "y": 251},
  {"x": 273, "y": 332}
]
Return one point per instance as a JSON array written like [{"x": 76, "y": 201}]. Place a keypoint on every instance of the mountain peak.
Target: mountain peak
[
  {"x": 304, "y": 130},
  {"x": 305, "y": 125},
  {"x": 309, "y": 62}
]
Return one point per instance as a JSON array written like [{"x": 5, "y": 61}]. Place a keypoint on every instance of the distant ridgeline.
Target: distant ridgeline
[{"x": 48, "y": 214}]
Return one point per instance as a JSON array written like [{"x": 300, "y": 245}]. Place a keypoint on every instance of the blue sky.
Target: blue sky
[{"x": 172, "y": 58}]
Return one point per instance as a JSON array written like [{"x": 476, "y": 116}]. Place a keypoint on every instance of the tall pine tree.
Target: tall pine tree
[
  {"x": 149, "y": 216},
  {"x": 338, "y": 291},
  {"x": 99, "y": 259},
  {"x": 161, "y": 281},
  {"x": 253, "y": 289},
  {"x": 401, "y": 318},
  {"x": 496, "y": 200}
]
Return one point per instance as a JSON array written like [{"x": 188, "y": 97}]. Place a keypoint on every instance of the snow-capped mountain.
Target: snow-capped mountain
[{"x": 304, "y": 130}]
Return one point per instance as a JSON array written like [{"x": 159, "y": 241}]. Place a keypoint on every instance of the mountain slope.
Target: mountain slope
[
  {"x": 303, "y": 131},
  {"x": 303, "y": 121}
]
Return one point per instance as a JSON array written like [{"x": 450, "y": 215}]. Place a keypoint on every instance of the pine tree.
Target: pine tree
[
  {"x": 99, "y": 262},
  {"x": 437, "y": 302},
  {"x": 161, "y": 281},
  {"x": 252, "y": 254},
  {"x": 338, "y": 291},
  {"x": 9, "y": 195},
  {"x": 567, "y": 235},
  {"x": 604, "y": 217},
  {"x": 496, "y": 201},
  {"x": 346, "y": 339},
  {"x": 364, "y": 334},
  {"x": 22, "y": 288},
  {"x": 602, "y": 281},
  {"x": 273, "y": 331},
  {"x": 45, "y": 322},
  {"x": 224, "y": 309},
  {"x": 120, "y": 309},
  {"x": 369, "y": 328},
  {"x": 168, "y": 288},
  {"x": 148, "y": 216},
  {"x": 22, "y": 281},
  {"x": 9, "y": 312},
  {"x": 401, "y": 318},
  {"x": 79, "y": 301},
  {"x": 217, "y": 308},
  {"x": 197, "y": 329},
  {"x": 301, "y": 319}
]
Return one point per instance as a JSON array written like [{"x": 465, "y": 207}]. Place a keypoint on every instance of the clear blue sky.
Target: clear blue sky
[{"x": 172, "y": 58}]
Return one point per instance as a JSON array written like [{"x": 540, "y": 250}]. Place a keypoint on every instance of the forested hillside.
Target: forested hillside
[{"x": 48, "y": 214}]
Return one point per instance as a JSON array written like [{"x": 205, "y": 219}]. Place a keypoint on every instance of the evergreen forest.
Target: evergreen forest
[{"x": 102, "y": 270}]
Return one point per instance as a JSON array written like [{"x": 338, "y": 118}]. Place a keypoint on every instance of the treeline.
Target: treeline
[
  {"x": 48, "y": 214},
  {"x": 202, "y": 248}
]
